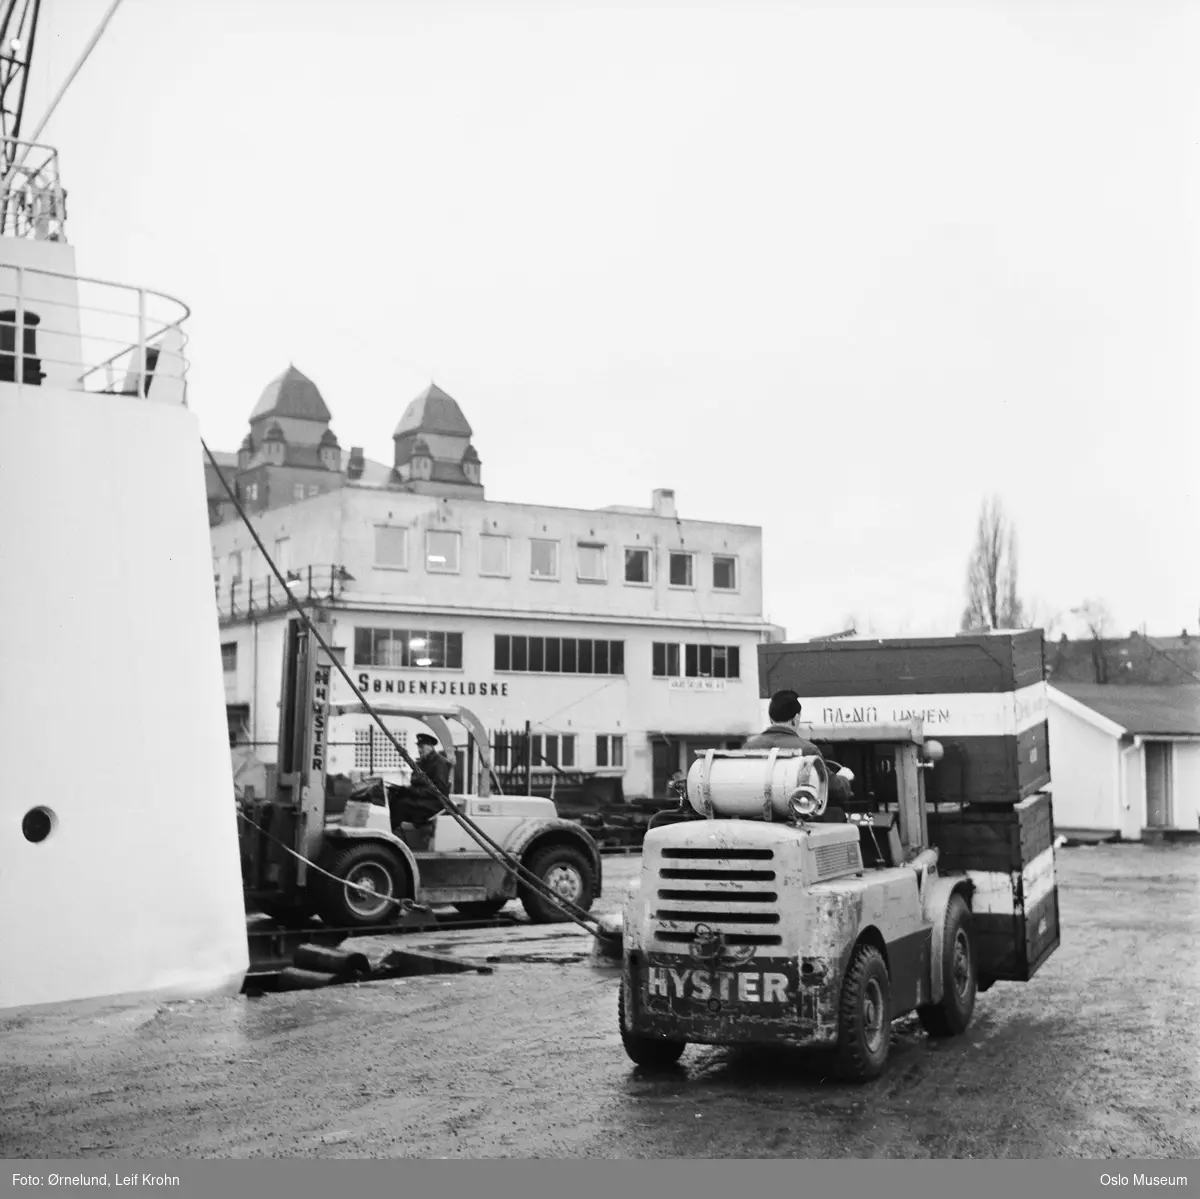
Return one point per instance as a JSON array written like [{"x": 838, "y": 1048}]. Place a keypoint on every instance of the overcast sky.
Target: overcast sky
[{"x": 834, "y": 270}]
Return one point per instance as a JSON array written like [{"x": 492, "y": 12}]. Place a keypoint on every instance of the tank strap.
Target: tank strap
[
  {"x": 706, "y": 784},
  {"x": 769, "y": 785}
]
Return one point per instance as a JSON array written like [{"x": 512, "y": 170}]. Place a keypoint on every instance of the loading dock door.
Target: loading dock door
[{"x": 1158, "y": 784}]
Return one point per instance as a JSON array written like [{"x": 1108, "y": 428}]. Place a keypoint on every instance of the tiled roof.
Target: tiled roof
[
  {"x": 1166, "y": 711},
  {"x": 293, "y": 395},
  {"x": 433, "y": 411}
]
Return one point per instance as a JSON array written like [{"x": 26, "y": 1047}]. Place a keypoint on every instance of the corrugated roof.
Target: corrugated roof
[
  {"x": 433, "y": 411},
  {"x": 293, "y": 395},
  {"x": 1167, "y": 711}
]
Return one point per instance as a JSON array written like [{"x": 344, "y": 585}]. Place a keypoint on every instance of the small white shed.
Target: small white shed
[{"x": 1125, "y": 760}]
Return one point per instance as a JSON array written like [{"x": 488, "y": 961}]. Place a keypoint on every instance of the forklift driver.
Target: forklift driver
[
  {"x": 784, "y": 732},
  {"x": 418, "y": 803}
]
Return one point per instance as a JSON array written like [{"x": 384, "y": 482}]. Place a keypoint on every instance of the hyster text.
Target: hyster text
[{"x": 745, "y": 986}]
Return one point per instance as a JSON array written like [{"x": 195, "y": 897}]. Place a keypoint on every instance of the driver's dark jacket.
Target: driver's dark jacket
[
  {"x": 437, "y": 767},
  {"x": 781, "y": 736}
]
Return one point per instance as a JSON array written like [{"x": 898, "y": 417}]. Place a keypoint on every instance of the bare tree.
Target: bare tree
[
  {"x": 992, "y": 601},
  {"x": 1095, "y": 616}
]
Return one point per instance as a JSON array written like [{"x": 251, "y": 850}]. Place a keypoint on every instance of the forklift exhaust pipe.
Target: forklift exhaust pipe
[{"x": 608, "y": 944}]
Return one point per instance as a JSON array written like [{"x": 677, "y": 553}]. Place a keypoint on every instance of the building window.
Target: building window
[
  {"x": 252, "y": 492},
  {"x": 235, "y": 567},
  {"x": 374, "y": 752},
  {"x": 298, "y": 491},
  {"x": 610, "y": 751},
  {"x": 391, "y": 547},
  {"x": 637, "y": 566},
  {"x": 493, "y": 555},
  {"x": 543, "y": 559},
  {"x": 403, "y": 649},
  {"x": 712, "y": 662},
  {"x": 665, "y": 660},
  {"x": 558, "y": 655},
  {"x": 314, "y": 489},
  {"x": 441, "y": 552},
  {"x": 229, "y": 657},
  {"x": 592, "y": 564},
  {"x": 724, "y": 573},
  {"x": 681, "y": 570},
  {"x": 550, "y": 749},
  {"x": 282, "y": 556}
]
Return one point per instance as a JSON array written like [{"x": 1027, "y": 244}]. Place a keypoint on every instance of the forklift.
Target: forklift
[
  {"x": 764, "y": 920},
  {"x": 367, "y": 873}
]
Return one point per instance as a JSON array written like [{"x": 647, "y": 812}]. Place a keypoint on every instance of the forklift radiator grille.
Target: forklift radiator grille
[{"x": 708, "y": 887}]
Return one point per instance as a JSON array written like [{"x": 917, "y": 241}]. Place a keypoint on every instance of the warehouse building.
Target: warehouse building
[{"x": 623, "y": 638}]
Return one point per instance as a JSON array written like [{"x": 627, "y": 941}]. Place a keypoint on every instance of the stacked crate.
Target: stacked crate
[{"x": 983, "y": 698}]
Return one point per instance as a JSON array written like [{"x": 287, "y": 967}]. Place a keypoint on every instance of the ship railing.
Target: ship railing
[
  {"x": 33, "y": 203},
  {"x": 94, "y": 335}
]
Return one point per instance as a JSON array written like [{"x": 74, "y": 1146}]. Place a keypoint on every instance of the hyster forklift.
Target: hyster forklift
[
  {"x": 367, "y": 868},
  {"x": 756, "y": 922}
]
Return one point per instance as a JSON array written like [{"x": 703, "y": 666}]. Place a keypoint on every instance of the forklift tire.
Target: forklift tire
[
  {"x": 951, "y": 1016},
  {"x": 650, "y": 1052},
  {"x": 480, "y": 909},
  {"x": 864, "y": 1017},
  {"x": 374, "y": 865},
  {"x": 565, "y": 870}
]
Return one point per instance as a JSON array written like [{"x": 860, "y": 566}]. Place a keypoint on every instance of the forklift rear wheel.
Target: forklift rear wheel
[
  {"x": 951, "y": 1016},
  {"x": 374, "y": 867},
  {"x": 481, "y": 909},
  {"x": 567, "y": 872},
  {"x": 646, "y": 1051},
  {"x": 865, "y": 1017}
]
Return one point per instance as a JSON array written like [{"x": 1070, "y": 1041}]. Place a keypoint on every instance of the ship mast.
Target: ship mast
[{"x": 18, "y": 29}]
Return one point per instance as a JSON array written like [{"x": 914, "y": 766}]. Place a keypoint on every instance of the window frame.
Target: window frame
[
  {"x": 516, "y": 653},
  {"x": 601, "y": 550},
  {"x": 667, "y": 647},
  {"x": 546, "y": 578},
  {"x": 456, "y": 535},
  {"x": 696, "y": 652},
  {"x": 735, "y": 569},
  {"x": 484, "y": 539},
  {"x": 648, "y": 581},
  {"x": 690, "y": 585},
  {"x": 610, "y": 747},
  {"x": 451, "y": 648},
  {"x": 403, "y": 531}
]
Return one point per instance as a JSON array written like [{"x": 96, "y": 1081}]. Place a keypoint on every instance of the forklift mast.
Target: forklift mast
[{"x": 303, "y": 736}]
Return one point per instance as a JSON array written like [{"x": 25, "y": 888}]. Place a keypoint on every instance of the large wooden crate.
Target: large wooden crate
[
  {"x": 983, "y": 697},
  {"x": 1008, "y": 853}
]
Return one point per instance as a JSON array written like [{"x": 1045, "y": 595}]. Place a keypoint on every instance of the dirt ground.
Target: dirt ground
[{"x": 1097, "y": 1057}]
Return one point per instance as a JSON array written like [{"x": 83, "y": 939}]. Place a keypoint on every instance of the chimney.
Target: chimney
[
  {"x": 663, "y": 502},
  {"x": 354, "y": 468}
]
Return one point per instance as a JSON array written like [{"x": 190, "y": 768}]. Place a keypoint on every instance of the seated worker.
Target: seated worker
[
  {"x": 784, "y": 733},
  {"x": 418, "y": 803}
]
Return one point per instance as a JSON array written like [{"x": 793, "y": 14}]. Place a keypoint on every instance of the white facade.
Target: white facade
[
  {"x": 120, "y": 872},
  {"x": 560, "y": 581},
  {"x": 1100, "y": 775}
]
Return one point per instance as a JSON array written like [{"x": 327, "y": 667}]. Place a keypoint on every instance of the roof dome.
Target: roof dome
[
  {"x": 292, "y": 395},
  {"x": 433, "y": 411},
  {"x": 329, "y": 438}
]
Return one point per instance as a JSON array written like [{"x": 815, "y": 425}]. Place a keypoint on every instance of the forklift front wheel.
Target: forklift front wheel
[
  {"x": 650, "y": 1052},
  {"x": 565, "y": 870},
  {"x": 952, "y": 1015},
  {"x": 377, "y": 881},
  {"x": 865, "y": 1017}
]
